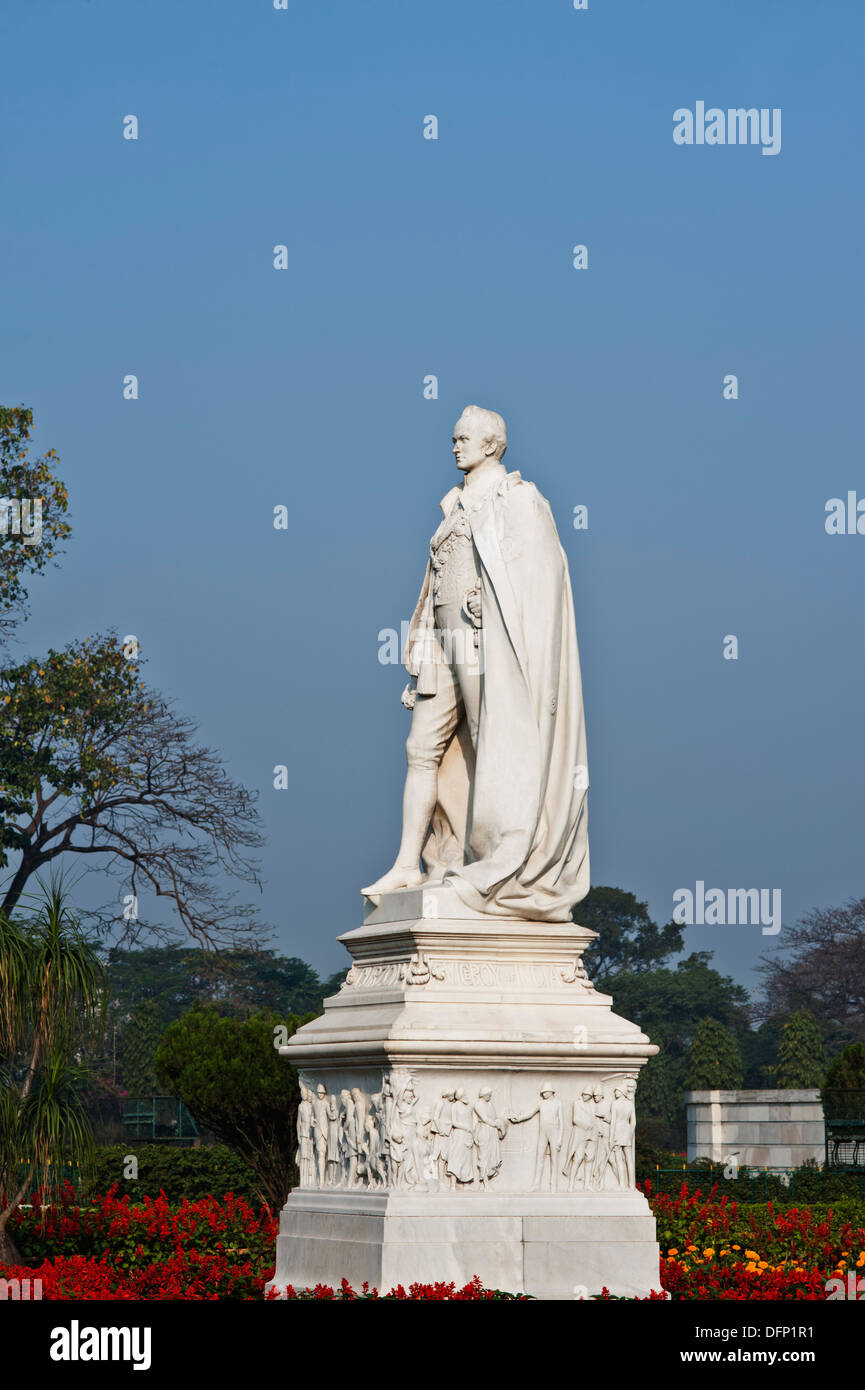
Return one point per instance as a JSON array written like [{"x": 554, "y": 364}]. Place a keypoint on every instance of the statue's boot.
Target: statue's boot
[{"x": 399, "y": 876}]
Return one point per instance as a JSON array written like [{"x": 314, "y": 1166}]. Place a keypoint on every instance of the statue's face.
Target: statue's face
[{"x": 469, "y": 446}]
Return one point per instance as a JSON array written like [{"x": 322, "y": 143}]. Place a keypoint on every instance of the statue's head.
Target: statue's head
[
  {"x": 485, "y": 1093},
  {"x": 479, "y": 436}
]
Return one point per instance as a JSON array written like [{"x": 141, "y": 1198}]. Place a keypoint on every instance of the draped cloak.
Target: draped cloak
[{"x": 509, "y": 831}]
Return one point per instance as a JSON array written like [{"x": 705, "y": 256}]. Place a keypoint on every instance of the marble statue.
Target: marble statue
[
  {"x": 495, "y": 792},
  {"x": 467, "y": 1096}
]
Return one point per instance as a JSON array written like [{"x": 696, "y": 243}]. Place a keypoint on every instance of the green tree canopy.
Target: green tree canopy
[
  {"x": 715, "y": 1062},
  {"x": 229, "y": 1074},
  {"x": 847, "y": 1072},
  {"x": 669, "y": 1005},
  {"x": 628, "y": 939},
  {"x": 140, "y": 1041},
  {"x": 236, "y": 981},
  {"x": 28, "y": 482},
  {"x": 801, "y": 1055}
]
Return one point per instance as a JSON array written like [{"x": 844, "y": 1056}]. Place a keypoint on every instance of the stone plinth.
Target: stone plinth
[
  {"x": 460, "y": 1113},
  {"x": 761, "y": 1129}
]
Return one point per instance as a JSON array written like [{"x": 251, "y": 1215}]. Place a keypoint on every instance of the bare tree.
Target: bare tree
[
  {"x": 96, "y": 764},
  {"x": 821, "y": 967}
]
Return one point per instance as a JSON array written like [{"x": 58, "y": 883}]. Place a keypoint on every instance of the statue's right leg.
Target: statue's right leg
[{"x": 434, "y": 719}]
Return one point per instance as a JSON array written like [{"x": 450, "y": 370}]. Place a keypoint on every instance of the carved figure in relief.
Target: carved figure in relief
[
  {"x": 490, "y": 1130},
  {"x": 602, "y": 1107},
  {"x": 319, "y": 1132},
  {"x": 386, "y": 1110},
  {"x": 622, "y": 1127},
  {"x": 360, "y": 1109},
  {"x": 406, "y": 1111},
  {"x": 398, "y": 1156},
  {"x": 441, "y": 1128},
  {"x": 423, "y": 1147},
  {"x": 550, "y": 1132},
  {"x": 460, "y": 1165},
  {"x": 580, "y": 1153},
  {"x": 305, "y": 1149},
  {"x": 349, "y": 1144},
  {"x": 333, "y": 1158},
  {"x": 372, "y": 1154},
  {"x": 382, "y": 1106}
]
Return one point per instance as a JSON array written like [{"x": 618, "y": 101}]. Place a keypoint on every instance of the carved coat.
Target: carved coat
[{"x": 509, "y": 831}]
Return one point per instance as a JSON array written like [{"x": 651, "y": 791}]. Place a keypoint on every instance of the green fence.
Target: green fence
[
  {"x": 788, "y": 1185},
  {"x": 158, "y": 1120}
]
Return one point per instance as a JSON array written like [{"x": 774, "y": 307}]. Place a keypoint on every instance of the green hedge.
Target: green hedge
[
  {"x": 178, "y": 1172},
  {"x": 806, "y": 1185}
]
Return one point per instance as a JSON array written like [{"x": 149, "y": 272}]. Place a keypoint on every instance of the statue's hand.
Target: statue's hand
[
  {"x": 408, "y": 696},
  {"x": 473, "y": 605}
]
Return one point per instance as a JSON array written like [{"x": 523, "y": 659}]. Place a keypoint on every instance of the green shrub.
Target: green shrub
[{"x": 179, "y": 1173}]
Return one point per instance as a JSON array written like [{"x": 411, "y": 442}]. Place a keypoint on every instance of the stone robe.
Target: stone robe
[{"x": 509, "y": 832}]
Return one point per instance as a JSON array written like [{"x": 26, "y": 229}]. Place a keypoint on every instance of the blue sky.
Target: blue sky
[{"x": 408, "y": 256}]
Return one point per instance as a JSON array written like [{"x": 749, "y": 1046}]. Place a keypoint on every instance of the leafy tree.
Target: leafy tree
[
  {"x": 821, "y": 968},
  {"x": 236, "y": 981},
  {"x": 801, "y": 1056},
  {"x": 843, "y": 1090},
  {"x": 50, "y": 990},
  {"x": 847, "y": 1072},
  {"x": 628, "y": 939},
  {"x": 33, "y": 483},
  {"x": 140, "y": 1041},
  {"x": 669, "y": 1005},
  {"x": 93, "y": 762},
  {"x": 231, "y": 1077},
  {"x": 715, "y": 1063},
  {"x": 333, "y": 984},
  {"x": 759, "y": 1048},
  {"x": 660, "y": 1110}
]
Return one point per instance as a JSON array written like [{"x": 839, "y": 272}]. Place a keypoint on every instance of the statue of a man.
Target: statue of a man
[{"x": 495, "y": 794}]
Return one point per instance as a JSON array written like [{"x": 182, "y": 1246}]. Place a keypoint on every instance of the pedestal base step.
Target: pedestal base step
[{"x": 550, "y": 1246}]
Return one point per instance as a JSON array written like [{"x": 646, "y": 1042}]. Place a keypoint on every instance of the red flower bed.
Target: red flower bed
[
  {"x": 711, "y": 1248},
  {"x": 186, "y": 1275},
  {"x": 472, "y": 1292}
]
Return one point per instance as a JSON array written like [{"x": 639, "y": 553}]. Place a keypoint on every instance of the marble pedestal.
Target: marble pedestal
[{"x": 460, "y": 1114}]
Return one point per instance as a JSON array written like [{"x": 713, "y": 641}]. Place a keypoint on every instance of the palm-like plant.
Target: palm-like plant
[{"x": 50, "y": 997}]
